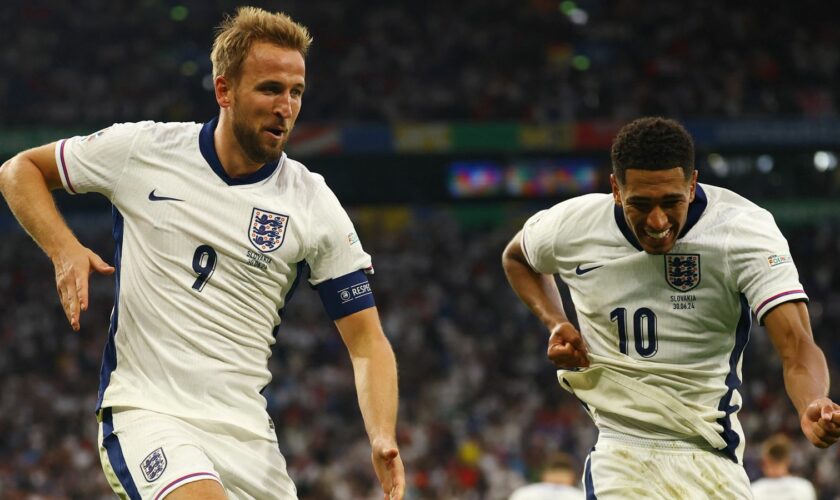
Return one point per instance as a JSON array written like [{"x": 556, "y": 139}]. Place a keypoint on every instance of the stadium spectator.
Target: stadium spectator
[
  {"x": 559, "y": 480},
  {"x": 778, "y": 483},
  {"x": 435, "y": 60}
]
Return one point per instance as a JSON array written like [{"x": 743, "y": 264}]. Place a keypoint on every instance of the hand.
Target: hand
[
  {"x": 566, "y": 348},
  {"x": 389, "y": 469},
  {"x": 821, "y": 422},
  {"x": 73, "y": 266}
]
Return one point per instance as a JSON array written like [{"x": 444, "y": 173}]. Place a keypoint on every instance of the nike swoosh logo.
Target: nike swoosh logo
[
  {"x": 581, "y": 272},
  {"x": 154, "y": 197}
]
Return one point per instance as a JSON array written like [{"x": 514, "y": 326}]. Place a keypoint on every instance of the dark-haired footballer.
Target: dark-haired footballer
[{"x": 666, "y": 274}]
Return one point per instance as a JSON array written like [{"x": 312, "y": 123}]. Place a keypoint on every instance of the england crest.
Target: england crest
[
  {"x": 682, "y": 271},
  {"x": 153, "y": 465},
  {"x": 267, "y": 230}
]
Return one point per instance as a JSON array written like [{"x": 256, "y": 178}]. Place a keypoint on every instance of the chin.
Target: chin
[{"x": 660, "y": 249}]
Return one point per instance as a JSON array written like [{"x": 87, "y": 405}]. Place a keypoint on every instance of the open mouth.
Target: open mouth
[
  {"x": 276, "y": 132},
  {"x": 658, "y": 235}
]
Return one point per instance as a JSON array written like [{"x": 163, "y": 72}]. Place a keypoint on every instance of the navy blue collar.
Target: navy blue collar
[
  {"x": 208, "y": 151},
  {"x": 695, "y": 210}
]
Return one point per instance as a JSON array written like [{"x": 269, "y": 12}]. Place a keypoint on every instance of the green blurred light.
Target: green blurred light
[
  {"x": 581, "y": 63},
  {"x": 189, "y": 68},
  {"x": 567, "y": 6},
  {"x": 179, "y": 13}
]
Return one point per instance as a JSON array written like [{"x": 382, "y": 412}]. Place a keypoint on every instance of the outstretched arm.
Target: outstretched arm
[
  {"x": 26, "y": 181},
  {"x": 375, "y": 370},
  {"x": 539, "y": 292},
  {"x": 805, "y": 372}
]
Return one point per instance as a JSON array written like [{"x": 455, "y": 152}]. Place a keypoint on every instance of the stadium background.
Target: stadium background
[{"x": 442, "y": 125}]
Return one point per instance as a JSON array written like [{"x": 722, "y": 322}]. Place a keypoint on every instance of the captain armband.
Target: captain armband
[{"x": 346, "y": 294}]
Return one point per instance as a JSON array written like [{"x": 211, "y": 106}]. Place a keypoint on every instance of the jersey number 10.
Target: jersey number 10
[{"x": 644, "y": 321}]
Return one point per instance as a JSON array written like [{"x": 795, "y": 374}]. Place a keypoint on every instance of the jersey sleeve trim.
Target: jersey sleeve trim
[
  {"x": 525, "y": 253},
  {"x": 189, "y": 478},
  {"x": 346, "y": 294},
  {"x": 62, "y": 167},
  {"x": 777, "y": 299}
]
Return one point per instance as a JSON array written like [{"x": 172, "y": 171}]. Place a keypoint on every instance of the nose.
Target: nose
[
  {"x": 283, "y": 105},
  {"x": 657, "y": 219}
]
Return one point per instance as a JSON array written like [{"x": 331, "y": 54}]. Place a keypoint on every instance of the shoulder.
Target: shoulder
[
  {"x": 582, "y": 212},
  {"x": 734, "y": 214},
  {"x": 308, "y": 189},
  {"x": 546, "y": 491},
  {"x": 170, "y": 131},
  {"x": 583, "y": 206},
  {"x": 160, "y": 134},
  {"x": 788, "y": 484},
  {"x": 723, "y": 201},
  {"x": 295, "y": 176},
  {"x": 149, "y": 126},
  {"x": 591, "y": 200},
  {"x": 800, "y": 483}
]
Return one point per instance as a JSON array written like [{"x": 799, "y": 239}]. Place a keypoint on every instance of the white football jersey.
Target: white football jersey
[
  {"x": 678, "y": 322},
  {"x": 547, "y": 491},
  {"x": 205, "y": 265},
  {"x": 783, "y": 488}
]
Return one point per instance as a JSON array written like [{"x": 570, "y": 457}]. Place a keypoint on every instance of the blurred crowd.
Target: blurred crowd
[
  {"x": 96, "y": 62},
  {"x": 480, "y": 406}
]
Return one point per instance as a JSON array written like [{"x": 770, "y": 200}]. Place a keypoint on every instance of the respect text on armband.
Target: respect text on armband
[{"x": 354, "y": 292}]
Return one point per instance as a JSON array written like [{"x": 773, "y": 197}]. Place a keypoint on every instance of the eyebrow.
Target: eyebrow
[
  {"x": 667, "y": 197},
  {"x": 275, "y": 83}
]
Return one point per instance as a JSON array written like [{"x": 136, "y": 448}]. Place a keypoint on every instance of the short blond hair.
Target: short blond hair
[{"x": 237, "y": 33}]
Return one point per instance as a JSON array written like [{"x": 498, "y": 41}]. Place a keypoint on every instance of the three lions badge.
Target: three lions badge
[
  {"x": 153, "y": 465},
  {"x": 267, "y": 230},
  {"x": 682, "y": 271}
]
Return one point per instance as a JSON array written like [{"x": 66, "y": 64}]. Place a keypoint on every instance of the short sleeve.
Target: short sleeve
[
  {"x": 539, "y": 239},
  {"x": 336, "y": 250},
  {"x": 94, "y": 163},
  {"x": 760, "y": 260}
]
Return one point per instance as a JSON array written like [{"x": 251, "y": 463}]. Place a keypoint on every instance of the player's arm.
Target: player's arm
[
  {"x": 26, "y": 181},
  {"x": 375, "y": 371},
  {"x": 805, "y": 372},
  {"x": 539, "y": 292}
]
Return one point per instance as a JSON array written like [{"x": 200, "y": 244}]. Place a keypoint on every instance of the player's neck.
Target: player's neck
[
  {"x": 775, "y": 470},
  {"x": 233, "y": 159}
]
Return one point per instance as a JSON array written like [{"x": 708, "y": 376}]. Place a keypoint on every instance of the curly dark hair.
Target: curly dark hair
[{"x": 652, "y": 143}]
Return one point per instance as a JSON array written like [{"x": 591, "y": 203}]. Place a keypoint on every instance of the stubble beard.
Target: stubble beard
[{"x": 252, "y": 145}]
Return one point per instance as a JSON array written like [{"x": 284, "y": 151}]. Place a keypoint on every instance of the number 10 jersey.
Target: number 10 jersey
[{"x": 670, "y": 327}]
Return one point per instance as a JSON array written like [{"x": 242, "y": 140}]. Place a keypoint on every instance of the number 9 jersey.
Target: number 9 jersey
[
  {"x": 666, "y": 333},
  {"x": 205, "y": 265}
]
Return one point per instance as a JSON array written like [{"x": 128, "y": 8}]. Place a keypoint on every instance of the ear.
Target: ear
[
  {"x": 615, "y": 190},
  {"x": 693, "y": 186},
  {"x": 224, "y": 91}
]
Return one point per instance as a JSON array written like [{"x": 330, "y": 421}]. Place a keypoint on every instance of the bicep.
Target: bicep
[
  {"x": 360, "y": 329},
  {"x": 43, "y": 157},
  {"x": 788, "y": 326}
]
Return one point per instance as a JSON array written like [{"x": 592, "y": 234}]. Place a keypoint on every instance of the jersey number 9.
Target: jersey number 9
[{"x": 204, "y": 262}]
